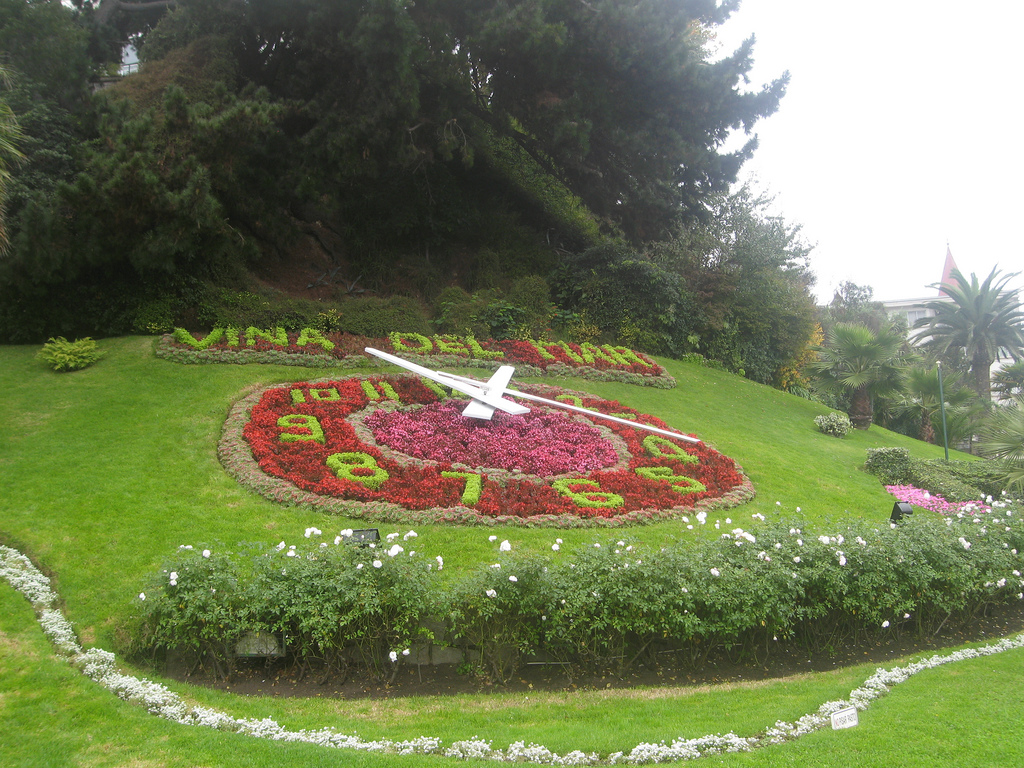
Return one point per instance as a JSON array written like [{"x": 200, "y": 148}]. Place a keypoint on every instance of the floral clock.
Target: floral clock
[{"x": 397, "y": 447}]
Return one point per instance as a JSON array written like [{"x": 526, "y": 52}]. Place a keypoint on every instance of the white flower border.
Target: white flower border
[{"x": 99, "y": 665}]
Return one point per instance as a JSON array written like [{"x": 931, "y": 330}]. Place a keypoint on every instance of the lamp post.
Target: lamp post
[{"x": 942, "y": 409}]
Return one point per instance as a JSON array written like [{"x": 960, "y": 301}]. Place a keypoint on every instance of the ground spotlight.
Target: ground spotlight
[{"x": 900, "y": 510}]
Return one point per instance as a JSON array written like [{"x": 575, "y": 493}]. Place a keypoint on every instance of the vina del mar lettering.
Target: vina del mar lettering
[
  {"x": 532, "y": 357},
  {"x": 397, "y": 446}
]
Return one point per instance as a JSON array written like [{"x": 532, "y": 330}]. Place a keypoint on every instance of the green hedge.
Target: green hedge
[
  {"x": 955, "y": 481},
  {"x": 738, "y": 595}
]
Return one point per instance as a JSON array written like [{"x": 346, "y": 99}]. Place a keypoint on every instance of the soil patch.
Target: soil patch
[{"x": 281, "y": 679}]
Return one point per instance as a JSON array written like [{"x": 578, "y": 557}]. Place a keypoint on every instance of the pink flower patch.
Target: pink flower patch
[{"x": 537, "y": 443}]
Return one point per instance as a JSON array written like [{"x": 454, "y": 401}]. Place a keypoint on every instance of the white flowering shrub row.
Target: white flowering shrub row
[
  {"x": 100, "y": 666},
  {"x": 736, "y": 594},
  {"x": 338, "y": 606}
]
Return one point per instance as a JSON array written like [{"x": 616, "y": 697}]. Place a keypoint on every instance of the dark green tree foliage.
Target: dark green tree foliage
[
  {"x": 854, "y": 303},
  {"x": 618, "y": 99},
  {"x": 621, "y": 102},
  {"x": 736, "y": 289}
]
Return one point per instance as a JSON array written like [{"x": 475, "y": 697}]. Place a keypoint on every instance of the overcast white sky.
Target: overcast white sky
[{"x": 902, "y": 130}]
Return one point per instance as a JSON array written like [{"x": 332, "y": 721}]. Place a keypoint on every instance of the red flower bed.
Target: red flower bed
[{"x": 365, "y": 447}]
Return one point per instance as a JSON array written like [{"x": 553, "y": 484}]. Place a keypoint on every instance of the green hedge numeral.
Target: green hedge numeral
[
  {"x": 301, "y": 421},
  {"x": 346, "y": 465},
  {"x": 375, "y": 390},
  {"x": 473, "y": 488},
  {"x": 679, "y": 483},
  {"x": 586, "y": 493},
  {"x": 659, "y": 446}
]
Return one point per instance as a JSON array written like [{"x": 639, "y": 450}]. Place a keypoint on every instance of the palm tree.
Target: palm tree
[
  {"x": 1003, "y": 439},
  {"x": 920, "y": 400},
  {"x": 982, "y": 319},
  {"x": 1008, "y": 382},
  {"x": 860, "y": 363},
  {"x": 10, "y": 135}
]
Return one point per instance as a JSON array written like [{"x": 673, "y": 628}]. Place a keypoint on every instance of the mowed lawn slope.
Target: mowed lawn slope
[{"x": 105, "y": 472}]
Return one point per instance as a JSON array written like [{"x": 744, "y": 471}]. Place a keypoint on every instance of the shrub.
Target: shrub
[
  {"x": 733, "y": 595},
  {"x": 497, "y": 611},
  {"x": 376, "y": 317},
  {"x": 835, "y": 424},
  {"x": 951, "y": 480},
  {"x": 63, "y": 355},
  {"x": 890, "y": 465}
]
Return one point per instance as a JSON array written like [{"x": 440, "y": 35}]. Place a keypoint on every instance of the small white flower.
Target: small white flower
[
  {"x": 796, "y": 559},
  {"x": 906, "y": 615},
  {"x": 405, "y": 652},
  {"x": 377, "y": 564},
  {"x": 392, "y": 536},
  {"x": 393, "y": 656},
  {"x": 395, "y": 549},
  {"x": 496, "y": 565},
  {"x": 798, "y": 509},
  {"x": 885, "y": 624},
  {"x": 173, "y": 582},
  {"x": 715, "y": 572},
  {"x": 142, "y": 595},
  {"x": 492, "y": 537},
  {"x": 410, "y": 535},
  {"x": 290, "y": 553},
  {"x": 505, "y": 546},
  {"x": 558, "y": 541},
  {"x": 312, "y": 532},
  {"x": 440, "y": 562},
  {"x": 206, "y": 553},
  {"x": 513, "y": 579},
  {"x": 491, "y": 593},
  {"x": 174, "y": 576},
  {"x": 359, "y": 567},
  {"x": 346, "y": 533},
  {"x": 555, "y": 547}
]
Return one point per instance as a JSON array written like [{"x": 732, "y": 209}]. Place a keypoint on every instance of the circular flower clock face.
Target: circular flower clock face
[{"x": 397, "y": 447}]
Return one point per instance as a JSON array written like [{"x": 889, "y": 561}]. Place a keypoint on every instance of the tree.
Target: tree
[
  {"x": 860, "y": 363},
  {"x": 982, "y": 319},
  {"x": 1002, "y": 439},
  {"x": 621, "y": 102},
  {"x": 10, "y": 138},
  {"x": 920, "y": 401},
  {"x": 1008, "y": 382},
  {"x": 854, "y": 303}
]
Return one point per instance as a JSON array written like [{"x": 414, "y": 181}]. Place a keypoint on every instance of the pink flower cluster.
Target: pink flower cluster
[
  {"x": 538, "y": 443},
  {"x": 933, "y": 502}
]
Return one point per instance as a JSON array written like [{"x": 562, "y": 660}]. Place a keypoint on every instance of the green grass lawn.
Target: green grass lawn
[{"x": 104, "y": 472}]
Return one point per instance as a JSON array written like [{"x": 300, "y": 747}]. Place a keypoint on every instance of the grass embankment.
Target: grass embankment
[{"x": 106, "y": 471}]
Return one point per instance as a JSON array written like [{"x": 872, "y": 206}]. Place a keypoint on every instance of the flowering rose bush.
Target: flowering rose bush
[
  {"x": 397, "y": 447},
  {"x": 311, "y": 348}
]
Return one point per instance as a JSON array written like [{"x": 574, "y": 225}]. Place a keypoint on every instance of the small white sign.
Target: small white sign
[{"x": 844, "y": 718}]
